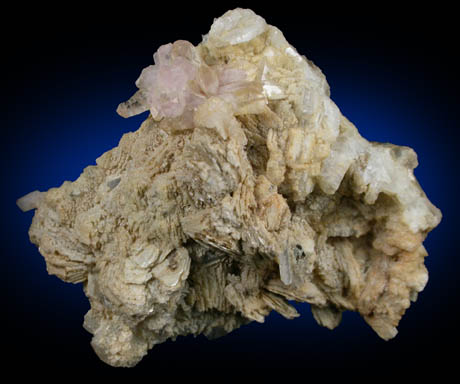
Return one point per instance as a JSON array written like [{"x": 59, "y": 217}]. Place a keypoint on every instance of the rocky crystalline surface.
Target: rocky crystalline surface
[{"x": 244, "y": 189}]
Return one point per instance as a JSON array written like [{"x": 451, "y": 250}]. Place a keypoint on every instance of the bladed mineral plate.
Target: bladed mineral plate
[{"x": 245, "y": 188}]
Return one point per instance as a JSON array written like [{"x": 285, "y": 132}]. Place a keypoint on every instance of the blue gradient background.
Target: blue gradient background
[{"x": 392, "y": 79}]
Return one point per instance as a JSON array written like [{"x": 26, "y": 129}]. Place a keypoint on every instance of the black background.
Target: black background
[{"x": 393, "y": 71}]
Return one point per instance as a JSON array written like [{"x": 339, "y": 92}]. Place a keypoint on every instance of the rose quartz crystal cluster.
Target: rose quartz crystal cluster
[{"x": 180, "y": 81}]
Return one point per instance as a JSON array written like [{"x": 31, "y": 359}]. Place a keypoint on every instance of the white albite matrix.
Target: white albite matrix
[{"x": 244, "y": 189}]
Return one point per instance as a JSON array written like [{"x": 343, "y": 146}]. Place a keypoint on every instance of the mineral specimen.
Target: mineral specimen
[{"x": 244, "y": 189}]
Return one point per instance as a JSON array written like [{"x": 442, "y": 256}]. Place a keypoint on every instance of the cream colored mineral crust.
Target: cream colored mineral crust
[{"x": 244, "y": 189}]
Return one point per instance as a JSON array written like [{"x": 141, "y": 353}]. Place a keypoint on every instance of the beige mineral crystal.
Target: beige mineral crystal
[{"x": 244, "y": 189}]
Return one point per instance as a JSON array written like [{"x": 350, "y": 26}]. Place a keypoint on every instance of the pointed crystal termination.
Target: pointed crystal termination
[{"x": 243, "y": 189}]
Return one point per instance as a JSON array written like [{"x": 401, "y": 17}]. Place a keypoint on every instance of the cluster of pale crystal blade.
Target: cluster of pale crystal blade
[{"x": 244, "y": 189}]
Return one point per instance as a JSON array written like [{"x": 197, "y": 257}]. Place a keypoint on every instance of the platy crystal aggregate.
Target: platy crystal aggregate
[{"x": 245, "y": 188}]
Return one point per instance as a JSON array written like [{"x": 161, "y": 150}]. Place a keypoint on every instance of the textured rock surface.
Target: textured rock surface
[{"x": 244, "y": 189}]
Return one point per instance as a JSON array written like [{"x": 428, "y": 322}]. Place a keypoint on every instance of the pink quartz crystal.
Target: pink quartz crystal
[{"x": 180, "y": 81}]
